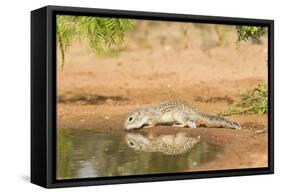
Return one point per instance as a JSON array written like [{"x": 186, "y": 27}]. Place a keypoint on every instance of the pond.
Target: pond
[{"x": 85, "y": 154}]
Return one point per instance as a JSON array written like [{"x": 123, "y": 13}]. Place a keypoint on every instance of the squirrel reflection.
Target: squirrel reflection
[{"x": 171, "y": 144}]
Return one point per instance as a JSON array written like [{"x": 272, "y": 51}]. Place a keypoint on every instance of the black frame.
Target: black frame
[{"x": 43, "y": 96}]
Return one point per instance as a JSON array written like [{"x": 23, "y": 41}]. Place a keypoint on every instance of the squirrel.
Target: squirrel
[{"x": 176, "y": 112}]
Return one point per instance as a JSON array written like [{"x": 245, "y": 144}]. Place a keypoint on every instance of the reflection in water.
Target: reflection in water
[
  {"x": 172, "y": 144},
  {"x": 83, "y": 154}
]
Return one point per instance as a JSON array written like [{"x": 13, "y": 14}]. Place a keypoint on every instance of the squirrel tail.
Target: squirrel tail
[{"x": 212, "y": 119}]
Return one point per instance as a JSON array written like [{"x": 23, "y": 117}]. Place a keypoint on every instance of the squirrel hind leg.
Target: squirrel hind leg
[
  {"x": 184, "y": 121},
  {"x": 191, "y": 123}
]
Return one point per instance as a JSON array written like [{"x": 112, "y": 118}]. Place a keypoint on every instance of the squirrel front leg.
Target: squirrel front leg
[{"x": 150, "y": 124}]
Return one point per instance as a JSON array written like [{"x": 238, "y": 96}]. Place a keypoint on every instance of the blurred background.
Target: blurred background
[{"x": 134, "y": 62}]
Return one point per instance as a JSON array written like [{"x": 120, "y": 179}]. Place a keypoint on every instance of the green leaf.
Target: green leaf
[{"x": 101, "y": 33}]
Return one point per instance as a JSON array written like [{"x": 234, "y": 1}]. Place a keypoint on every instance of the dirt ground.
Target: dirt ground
[{"x": 154, "y": 65}]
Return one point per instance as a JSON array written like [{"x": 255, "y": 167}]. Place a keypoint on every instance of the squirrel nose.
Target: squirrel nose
[{"x": 126, "y": 129}]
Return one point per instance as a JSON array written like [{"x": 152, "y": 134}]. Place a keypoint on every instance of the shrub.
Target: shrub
[
  {"x": 254, "y": 102},
  {"x": 100, "y": 32},
  {"x": 246, "y": 32}
]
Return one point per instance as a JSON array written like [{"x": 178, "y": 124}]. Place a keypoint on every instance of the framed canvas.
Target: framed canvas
[{"x": 126, "y": 96}]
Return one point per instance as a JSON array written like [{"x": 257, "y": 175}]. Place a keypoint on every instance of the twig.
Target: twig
[{"x": 258, "y": 132}]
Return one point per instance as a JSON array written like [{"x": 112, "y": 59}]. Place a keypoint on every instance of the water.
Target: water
[{"x": 84, "y": 154}]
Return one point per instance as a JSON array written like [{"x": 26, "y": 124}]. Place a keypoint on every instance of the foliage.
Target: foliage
[
  {"x": 101, "y": 33},
  {"x": 254, "y": 101},
  {"x": 246, "y": 32}
]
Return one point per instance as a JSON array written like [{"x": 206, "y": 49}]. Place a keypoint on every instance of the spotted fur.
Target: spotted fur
[{"x": 177, "y": 113}]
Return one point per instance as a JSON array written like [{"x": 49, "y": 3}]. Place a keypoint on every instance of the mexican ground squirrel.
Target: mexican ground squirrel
[{"x": 177, "y": 112}]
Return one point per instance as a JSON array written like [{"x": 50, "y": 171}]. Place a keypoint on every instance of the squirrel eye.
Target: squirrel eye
[
  {"x": 132, "y": 143},
  {"x": 130, "y": 118}
]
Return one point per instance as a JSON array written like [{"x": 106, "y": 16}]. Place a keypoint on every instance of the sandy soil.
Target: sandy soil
[{"x": 97, "y": 93}]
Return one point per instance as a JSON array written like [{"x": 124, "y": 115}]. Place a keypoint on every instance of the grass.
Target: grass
[{"x": 252, "y": 102}]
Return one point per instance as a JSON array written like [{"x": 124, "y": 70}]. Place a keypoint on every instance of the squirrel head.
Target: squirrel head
[{"x": 135, "y": 120}]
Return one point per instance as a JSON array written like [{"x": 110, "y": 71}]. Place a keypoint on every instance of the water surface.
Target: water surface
[{"x": 84, "y": 154}]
